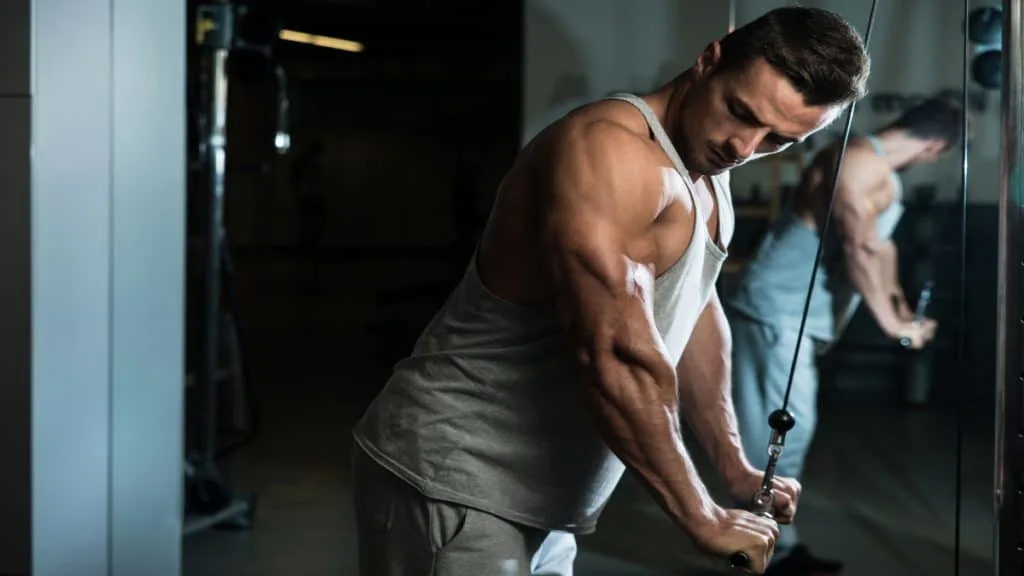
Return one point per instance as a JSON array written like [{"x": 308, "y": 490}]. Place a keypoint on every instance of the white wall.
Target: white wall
[{"x": 579, "y": 50}]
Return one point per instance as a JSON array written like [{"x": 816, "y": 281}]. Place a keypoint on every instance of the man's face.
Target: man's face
[
  {"x": 931, "y": 151},
  {"x": 733, "y": 117}
]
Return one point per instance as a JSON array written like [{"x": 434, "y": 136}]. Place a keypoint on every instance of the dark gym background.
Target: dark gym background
[{"x": 345, "y": 246}]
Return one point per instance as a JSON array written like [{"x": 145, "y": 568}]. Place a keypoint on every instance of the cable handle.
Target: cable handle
[
  {"x": 763, "y": 501},
  {"x": 923, "y": 300},
  {"x": 741, "y": 560}
]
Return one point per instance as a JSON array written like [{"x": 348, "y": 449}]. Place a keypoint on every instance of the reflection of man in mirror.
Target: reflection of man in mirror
[{"x": 859, "y": 264}]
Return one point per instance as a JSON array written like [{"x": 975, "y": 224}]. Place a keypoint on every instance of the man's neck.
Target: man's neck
[
  {"x": 898, "y": 148},
  {"x": 667, "y": 104}
]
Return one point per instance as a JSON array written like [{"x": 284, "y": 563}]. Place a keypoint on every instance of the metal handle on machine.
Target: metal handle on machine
[
  {"x": 763, "y": 502},
  {"x": 922, "y": 306},
  {"x": 741, "y": 560}
]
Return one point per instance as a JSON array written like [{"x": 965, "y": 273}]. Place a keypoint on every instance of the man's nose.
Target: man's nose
[{"x": 745, "y": 145}]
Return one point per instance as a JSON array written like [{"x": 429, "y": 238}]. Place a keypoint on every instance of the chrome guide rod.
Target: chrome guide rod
[{"x": 1009, "y": 480}]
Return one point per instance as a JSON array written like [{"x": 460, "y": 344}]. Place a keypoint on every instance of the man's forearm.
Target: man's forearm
[
  {"x": 705, "y": 392},
  {"x": 707, "y": 407},
  {"x": 864, "y": 269},
  {"x": 889, "y": 269},
  {"x": 637, "y": 415}
]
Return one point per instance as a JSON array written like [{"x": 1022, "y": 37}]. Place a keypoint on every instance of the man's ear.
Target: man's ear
[{"x": 708, "y": 60}]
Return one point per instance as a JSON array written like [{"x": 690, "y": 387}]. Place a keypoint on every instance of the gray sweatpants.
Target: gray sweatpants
[
  {"x": 403, "y": 533},
  {"x": 761, "y": 359}
]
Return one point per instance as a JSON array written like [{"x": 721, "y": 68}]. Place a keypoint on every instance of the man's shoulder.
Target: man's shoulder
[
  {"x": 858, "y": 149},
  {"x": 600, "y": 161},
  {"x": 604, "y": 144},
  {"x": 604, "y": 129},
  {"x": 861, "y": 163}
]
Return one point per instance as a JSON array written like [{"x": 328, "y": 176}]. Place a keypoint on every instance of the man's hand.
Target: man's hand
[
  {"x": 931, "y": 325},
  {"x": 744, "y": 486},
  {"x": 732, "y": 531},
  {"x": 916, "y": 334}
]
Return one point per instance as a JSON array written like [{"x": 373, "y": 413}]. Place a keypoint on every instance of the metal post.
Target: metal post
[
  {"x": 1009, "y": 479},
  {"x": 732, "y": 15},
  {"x": 211, "y": 317},
  {"x": 217, "y": 43},
  {"x": 211, "y": 502}
]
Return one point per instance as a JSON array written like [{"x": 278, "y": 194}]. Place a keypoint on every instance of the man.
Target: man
[
  {"x": 859, "y": 264},
  {"x": 562, "y": 358}
]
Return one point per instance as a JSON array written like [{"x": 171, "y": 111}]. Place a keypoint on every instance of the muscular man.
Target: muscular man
[
  {"x": 587, "y": 324},
  {"x": 859, "y": 264}
]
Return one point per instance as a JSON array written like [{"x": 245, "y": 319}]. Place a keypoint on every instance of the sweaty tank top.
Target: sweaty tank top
[
  {"x": 486, "y": 410},
  {"x": 773, "y": 287}
]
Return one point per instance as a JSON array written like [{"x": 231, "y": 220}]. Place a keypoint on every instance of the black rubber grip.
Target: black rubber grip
[{"x": 739, "y": 560}]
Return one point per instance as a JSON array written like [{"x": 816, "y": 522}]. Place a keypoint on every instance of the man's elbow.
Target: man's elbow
[
  {"x": 628, "y": 368},
  {"x": 857, "y": 254}
]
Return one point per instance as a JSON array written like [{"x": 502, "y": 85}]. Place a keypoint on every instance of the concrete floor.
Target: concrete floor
[{"x": 879, "y": 489}]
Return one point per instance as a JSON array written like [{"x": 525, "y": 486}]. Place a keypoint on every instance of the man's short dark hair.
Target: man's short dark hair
[
  {"x": 935, "y": 118},
  {"x": 817, "y": 50}
]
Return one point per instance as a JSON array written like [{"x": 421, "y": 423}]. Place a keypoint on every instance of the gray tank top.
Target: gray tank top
[
  {"x": 485, "y": 412},
  {"x": 773, "y": 287}
]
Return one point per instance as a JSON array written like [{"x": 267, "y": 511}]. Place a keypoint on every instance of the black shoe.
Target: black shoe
[{"x": 798, "y": 561}]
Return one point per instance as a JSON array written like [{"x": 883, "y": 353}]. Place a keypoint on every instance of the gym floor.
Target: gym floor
[{"x": 879, "y": 489}]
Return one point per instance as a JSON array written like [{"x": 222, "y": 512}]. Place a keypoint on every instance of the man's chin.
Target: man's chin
[
  {"x": 702, "y": 167},
  {"x": 715, "y": 170}
]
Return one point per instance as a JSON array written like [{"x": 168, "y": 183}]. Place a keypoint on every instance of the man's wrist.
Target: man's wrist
[
  {"x": 699, "y": 516},
  {"x": 891, "y": 326},
  {"x": 736, "y": 469}
]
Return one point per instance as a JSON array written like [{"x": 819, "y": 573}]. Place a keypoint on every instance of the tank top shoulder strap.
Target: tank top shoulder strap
[
  {"x": 666, "y": 144},
  {"x": 875, "y": 144},
  {"x": 897, "y": 183},
  {"x": 718, "y": 185},
  {"x": 656, "y": 128}
]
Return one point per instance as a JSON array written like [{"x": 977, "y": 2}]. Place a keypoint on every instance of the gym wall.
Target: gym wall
[{"x": 579, "y": 50}]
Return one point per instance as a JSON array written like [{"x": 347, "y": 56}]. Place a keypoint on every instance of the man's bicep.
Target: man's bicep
[
  {"x": 603, "y": 297},
  {"x": 855, "y": 219},
  {"x": 599, "y": 207},
  {"x": 587, "y": 266}
]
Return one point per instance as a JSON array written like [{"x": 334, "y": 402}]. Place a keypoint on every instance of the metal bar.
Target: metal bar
[
  {"x": 732, "y": 15},
  {"x": 198, "y": 522},
  {"x": 961, "y": 339},
  {"x": 212, "y": 274},
  {"x": 1009, "y": 482}
]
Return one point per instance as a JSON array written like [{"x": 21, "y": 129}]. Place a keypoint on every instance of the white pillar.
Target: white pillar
[{"x": 92, "y": 109}]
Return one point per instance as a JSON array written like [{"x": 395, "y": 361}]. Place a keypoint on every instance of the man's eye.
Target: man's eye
[{"x": 742, "y": 116}]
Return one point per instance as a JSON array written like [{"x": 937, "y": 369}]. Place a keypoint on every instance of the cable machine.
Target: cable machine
[{"x": 216, "y": 353}]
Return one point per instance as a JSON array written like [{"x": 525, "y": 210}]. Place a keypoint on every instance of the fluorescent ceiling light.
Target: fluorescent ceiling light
[{"x": 322, "y": 41}]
